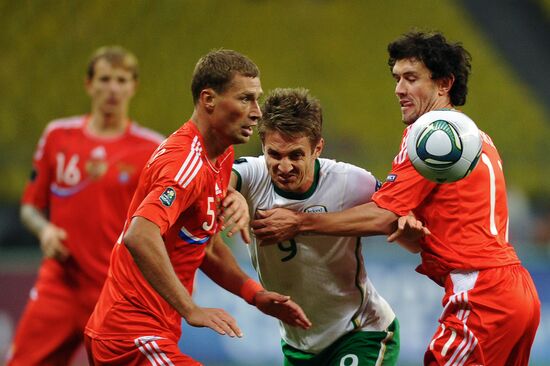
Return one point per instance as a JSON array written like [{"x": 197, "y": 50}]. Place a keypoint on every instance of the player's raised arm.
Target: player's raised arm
[
  {"x": 281, "y": 224},
  {"x": 276, "y": 225}
]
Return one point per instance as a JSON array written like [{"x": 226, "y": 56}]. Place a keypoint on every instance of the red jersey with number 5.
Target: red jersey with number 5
[
  {"x": 180, "y": 191},
  {"x": 468, "y": 219}
]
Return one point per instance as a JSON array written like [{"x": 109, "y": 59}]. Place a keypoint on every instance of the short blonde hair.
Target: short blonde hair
[
  {"x": 292, "y": 112},
  {"x": 115, "y": 55}
]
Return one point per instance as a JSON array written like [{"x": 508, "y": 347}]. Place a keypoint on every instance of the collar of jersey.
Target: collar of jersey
[
  {"x": 306, "y": 194},
  {"x": 86, "y": 120},
  {"x": 217, "y": 165}
]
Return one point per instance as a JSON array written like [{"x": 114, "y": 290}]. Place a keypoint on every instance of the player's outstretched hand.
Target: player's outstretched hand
[
  {"x": 408, "y": 233},
  {"x": 276, "y": 225},
  {"x": 216, "y": 319},
  {"x": 282, "y": 308},
  {"x": 51, "y": 242},
  {"x": 235, "y": 214}
]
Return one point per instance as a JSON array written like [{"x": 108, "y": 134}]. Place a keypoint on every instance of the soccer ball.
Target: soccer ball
[{"x": 444, "y": 146}]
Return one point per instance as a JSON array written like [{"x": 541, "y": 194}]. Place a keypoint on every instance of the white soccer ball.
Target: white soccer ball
[{"x": 444, "y": 146}]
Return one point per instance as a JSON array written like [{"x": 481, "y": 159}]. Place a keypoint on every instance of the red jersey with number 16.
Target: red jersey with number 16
[
  {"x": 468, "y": 219},
  {"x": 180, "y": 191},
  {"x": 85, "y": 183}
]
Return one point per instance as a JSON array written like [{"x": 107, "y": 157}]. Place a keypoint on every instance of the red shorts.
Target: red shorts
[
  {"x": 490, "y": 317},
  {"x": 51, "y": 328},
  {"x": 142, "y": 351}
]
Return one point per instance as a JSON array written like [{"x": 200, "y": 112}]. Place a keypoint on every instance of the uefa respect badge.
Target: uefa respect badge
[{"x": 168, "y": 196}]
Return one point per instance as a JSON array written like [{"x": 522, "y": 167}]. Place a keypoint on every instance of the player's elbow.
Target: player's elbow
[
  {"x": 135, "y": 240},
  {"x": 139, "y": 235},
  {"x": 138, "y": 246},
  {"x": 130, "y": 240}
]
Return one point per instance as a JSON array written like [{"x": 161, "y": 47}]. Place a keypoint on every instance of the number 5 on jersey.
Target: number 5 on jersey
[{"x": 211, "y": 213}]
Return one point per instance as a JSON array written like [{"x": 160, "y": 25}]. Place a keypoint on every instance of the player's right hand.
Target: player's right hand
[
  {"x": 216, "y": 319},
  {"x": 275, "y": 225},
  {"x": 51, "y": 242}
]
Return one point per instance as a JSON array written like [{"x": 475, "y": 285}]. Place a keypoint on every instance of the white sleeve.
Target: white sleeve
[
  {"x": 361, "y": 185},
  {"x": 250, "y": 171}
]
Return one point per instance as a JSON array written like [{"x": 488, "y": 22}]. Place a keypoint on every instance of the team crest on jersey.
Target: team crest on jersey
[
  {"x": 97, "y": 166},
  {"x": 168, "y": 196},
  {"x": 391, "y": 177},
  {"x": 316, "y": 209},
  {"x": 125, "y": 171}
]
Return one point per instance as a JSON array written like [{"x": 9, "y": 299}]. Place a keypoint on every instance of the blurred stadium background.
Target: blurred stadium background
[{"x": 337, "y": 49}]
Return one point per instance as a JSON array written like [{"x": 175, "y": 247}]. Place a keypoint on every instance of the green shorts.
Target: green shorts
[{"x": 357, "y": 348}]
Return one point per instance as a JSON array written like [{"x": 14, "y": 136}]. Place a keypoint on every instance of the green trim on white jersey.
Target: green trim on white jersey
[{"x": 306, "y": 194}]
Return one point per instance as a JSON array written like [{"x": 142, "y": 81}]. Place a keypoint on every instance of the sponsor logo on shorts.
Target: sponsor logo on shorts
[
  {"x": 391, "y": 178},
  {"x": 168, "y": 196}
]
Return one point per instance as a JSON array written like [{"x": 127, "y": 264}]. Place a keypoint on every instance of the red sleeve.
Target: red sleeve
[
  {"x": 404, "y": 189},
  {"x": 168, "y": 198},
  {"x": 37, "y": 190}
]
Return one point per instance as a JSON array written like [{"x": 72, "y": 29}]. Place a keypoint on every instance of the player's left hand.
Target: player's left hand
[
  {"x": 282, "y": 308},
  {"x": 274, "y": 226},
  {"x": 235, "y": 214}
]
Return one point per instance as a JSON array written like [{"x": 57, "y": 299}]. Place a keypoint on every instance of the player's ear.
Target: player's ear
[
  {"x": 88, "y": 85},
  {"x": 207, "y": 98},
  {"x": 319, "y": 148},
  {"x": 136, "y": 86},
  {"x": 445, "y": 84}
]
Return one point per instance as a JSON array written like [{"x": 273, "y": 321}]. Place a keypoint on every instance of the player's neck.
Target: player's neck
[
  {"x": 107, "y": 125},
  {"x": 214, "y": 146},
  {"x": 442, "y": 104}
]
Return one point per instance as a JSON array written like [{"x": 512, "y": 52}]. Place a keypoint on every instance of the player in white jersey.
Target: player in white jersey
[{"x": 352, "y": 323}]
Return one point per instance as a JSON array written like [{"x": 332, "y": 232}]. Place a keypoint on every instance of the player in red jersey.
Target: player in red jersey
[
  {"x": 85, "y": 171},
  {"x": 491, "y": 307},
  {"x": 172, "y": 229}
]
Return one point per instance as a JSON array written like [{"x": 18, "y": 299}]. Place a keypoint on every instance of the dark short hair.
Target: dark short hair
[
  {"x": 117, "y": 56},
  {"x": 217, "y": 69},
  {"x": 442, "y": 58},
  {"x": 292, "y": 112}
]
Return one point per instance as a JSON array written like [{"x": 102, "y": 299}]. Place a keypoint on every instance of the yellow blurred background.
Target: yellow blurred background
[{"x": 337, "y": 49}]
